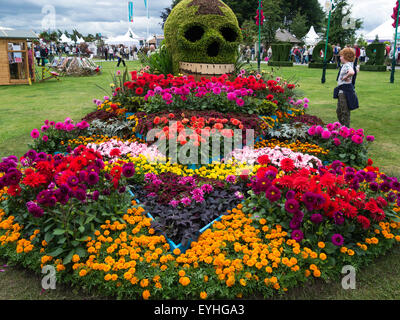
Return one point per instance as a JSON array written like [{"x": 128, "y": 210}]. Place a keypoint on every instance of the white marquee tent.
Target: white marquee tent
[
  {"x": 385, "y": 32},
  {"x": 311, "y": 38},
  {"x": 65, "y": 39},
  {"x": 129, "y": 38}
]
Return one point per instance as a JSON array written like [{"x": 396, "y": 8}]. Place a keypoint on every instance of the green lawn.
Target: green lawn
[{"x": 26, "y": 107}]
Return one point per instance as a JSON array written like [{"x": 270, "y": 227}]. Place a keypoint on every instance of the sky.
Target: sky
[{"x": 110, "y": 17}]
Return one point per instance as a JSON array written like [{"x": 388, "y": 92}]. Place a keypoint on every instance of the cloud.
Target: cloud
[
  {"x": 110, "y": 18},
  {"x": 372, "y": 12}
]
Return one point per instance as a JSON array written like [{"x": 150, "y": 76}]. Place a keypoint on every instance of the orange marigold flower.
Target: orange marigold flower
[
  {"x": 184, "y": 281},
  {"x": 146, "y": 294}
]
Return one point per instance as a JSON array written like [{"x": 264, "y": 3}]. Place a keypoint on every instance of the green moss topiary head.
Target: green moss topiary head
[{"x": 202, "y": 31}]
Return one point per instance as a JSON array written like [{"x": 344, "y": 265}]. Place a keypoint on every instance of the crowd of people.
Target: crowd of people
[
  {"x": 43, "y": 52},
  {"x": 304, "y": 54}
]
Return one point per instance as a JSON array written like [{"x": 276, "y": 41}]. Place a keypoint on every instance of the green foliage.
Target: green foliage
[
  {"x": 65, "y": 228},
  {"x": 249, "y": 32},
  {"x": 111, "y": 128},
  {"x": 320, "y": 65},
  {"x": 274, "y": 17},
  {"x": 160, "y": 62},
  {"x": 267, "y": 108},
  {"x": 310, "y": 9},
  {"x": 289, "y": 132},
  {"x": 194, "y": 37},
  {"x": 365, "y": 67},
  {"x": 376, "y": 54},
  {"x": 337, "y": 33},
  {"x": 280, "y": 52},
  {"x": 53, "y": 144},
  {"x": 316, "y": 53},
  {"x": 300, "y": 25}
]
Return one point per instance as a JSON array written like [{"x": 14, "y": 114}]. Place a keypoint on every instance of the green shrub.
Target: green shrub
[
  {"x": 159, "y": 62},
  {"x": 319, "y": 65},
  {"x": 376, "y": 54},
  {"x": 280, "y": 52},
  {"x": 316, "y": 53},
  {"x": 365, "y": 67}
]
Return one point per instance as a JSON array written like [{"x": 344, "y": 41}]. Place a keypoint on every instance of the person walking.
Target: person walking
[
  {"x": 111, "y": 53},
  {"x": 37, "y": 55},
  {"x": 120, "y": 55},
  {"x": 106, "y": 52},
  {"x": 248, "y": 54},
  {"x": 310, "y": 53},
  {"x": 44, "y": 53},
  {"x": 345, "y": 92}
]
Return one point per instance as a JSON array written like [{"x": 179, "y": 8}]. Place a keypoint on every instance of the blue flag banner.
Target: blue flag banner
[
  {"x": 130, "y": 10},
  {"x": 147, "y": 8}
]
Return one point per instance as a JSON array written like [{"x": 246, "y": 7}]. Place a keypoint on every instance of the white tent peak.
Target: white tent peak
[
  {"x": 311, "y": 38},
  {"x": 385, "y": 32},
  {"x": 65, "y": 39},
  {"x": 129, "y": 38},
  {"x": 131, "y": 34}
]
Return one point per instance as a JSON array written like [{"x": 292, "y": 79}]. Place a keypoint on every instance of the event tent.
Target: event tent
[
  {"x": 311, "y": 38},
  {"x": 65, "y": 39},
  {"x": 385, "y": 32},
  {"x": 129, "y": 38}
]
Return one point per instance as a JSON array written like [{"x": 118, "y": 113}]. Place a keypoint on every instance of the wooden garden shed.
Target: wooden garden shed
[{"x": 16, "y": 66}]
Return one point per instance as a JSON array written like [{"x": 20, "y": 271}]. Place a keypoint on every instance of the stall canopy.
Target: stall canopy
[
  {"x": 285, "y": 36},
  {"x": 311, "y": 38},
  {"x": 385, "y": 32},
  {"x": 65, "y": 39},
  {"x": 129, "y": 38}
]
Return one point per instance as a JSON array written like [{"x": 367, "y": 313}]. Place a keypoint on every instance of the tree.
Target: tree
[
  {"x": 89, "y": 38},
  {"x": 249, "y": 32},
  {"x": 299, "y": 26},
  {"x": 273, "y": 20},
  {"x": 311, "y": 9},
  {"x": 45, "y": 36},
  {"x": 362, "y": 42},
  {"x": 343, "y": 29}
]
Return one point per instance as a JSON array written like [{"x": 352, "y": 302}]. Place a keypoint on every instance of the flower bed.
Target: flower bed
[{"x": 301, "y": 204}]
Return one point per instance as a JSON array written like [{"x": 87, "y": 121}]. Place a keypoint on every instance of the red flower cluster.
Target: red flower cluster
[{"x": 338, "y": 192}]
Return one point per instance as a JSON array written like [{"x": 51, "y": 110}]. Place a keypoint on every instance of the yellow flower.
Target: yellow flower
[
  {"x": 321, "y": 245},
  {"x": 75, "y": 258}
]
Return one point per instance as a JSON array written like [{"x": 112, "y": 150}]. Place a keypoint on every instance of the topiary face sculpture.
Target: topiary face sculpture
[{"x": 202, "y": 31}]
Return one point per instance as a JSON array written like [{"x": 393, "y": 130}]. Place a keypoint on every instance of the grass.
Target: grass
[{"x": 26, "y": 107}]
